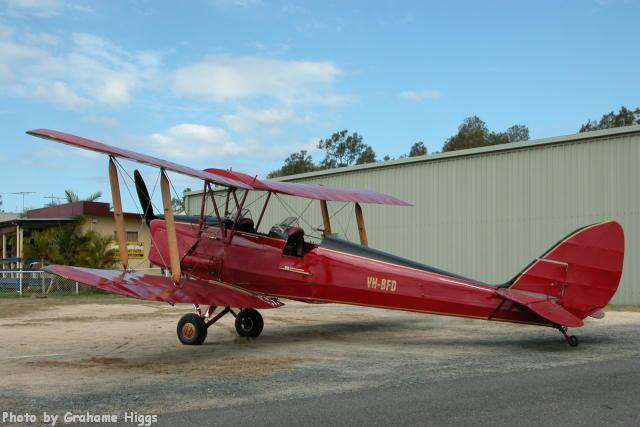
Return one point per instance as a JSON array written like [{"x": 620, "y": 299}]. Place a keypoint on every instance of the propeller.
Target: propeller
[{"x": 143, "y": 196}]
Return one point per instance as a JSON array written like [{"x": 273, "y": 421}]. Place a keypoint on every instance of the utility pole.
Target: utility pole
[{"x": 23, "y": 193}]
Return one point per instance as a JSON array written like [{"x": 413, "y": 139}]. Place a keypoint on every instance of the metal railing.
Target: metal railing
[{"x": 36, "y": 282}]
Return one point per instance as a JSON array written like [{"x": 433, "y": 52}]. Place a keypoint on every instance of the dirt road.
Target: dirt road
[{"x": 107, "y": 354}]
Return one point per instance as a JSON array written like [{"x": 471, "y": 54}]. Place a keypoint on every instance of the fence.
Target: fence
[
  {"x": 16, "y": 283},
  {"x": 35, "y": 282}
]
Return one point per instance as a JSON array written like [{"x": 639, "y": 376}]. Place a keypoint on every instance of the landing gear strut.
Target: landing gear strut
[
  {"x": 572, "y": 340},
  {"x": 192, "y": 327}
]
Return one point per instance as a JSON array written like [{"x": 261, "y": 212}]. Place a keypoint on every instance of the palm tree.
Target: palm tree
[
  {"x": 72, "y": 196},
  {"x": 68, "y": 245},
  {"x": 39, "y": 245},
  {"x": 98, "y": 251}
]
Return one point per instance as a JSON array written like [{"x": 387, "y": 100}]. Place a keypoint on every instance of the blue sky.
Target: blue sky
[{"x": 243, "y": 83}]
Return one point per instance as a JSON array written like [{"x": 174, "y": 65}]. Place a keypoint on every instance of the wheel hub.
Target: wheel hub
[
  {"x": 247, "y": 323},
  {"x": 188, "y": 330}
]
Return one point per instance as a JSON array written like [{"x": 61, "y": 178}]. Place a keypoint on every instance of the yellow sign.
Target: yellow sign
[{"x": 135, "y": 250}]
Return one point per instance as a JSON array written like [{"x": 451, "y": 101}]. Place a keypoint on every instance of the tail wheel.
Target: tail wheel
[
  {"x": 249, "y": 323},
  {"x": 192, "y": 329}
]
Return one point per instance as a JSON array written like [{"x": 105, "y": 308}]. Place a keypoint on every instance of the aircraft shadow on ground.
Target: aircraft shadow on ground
[
  {"x": 398, "y": 332},
  {"x": 338, "y": 331}
]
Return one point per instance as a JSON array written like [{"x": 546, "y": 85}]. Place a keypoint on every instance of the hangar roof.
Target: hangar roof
[
  {"x": 578, "y": 137},
  {"x": 564, "y": 139}
]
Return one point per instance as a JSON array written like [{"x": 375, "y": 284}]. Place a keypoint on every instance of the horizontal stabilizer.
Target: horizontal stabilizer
[
  {"x": 161, "y": 288},
  {"x": 543, "y": 306}
]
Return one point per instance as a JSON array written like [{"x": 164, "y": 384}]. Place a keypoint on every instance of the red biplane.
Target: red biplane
[{"x": 225, "y": 261}]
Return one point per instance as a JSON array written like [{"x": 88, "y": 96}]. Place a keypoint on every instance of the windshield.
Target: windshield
[{"x": 290, "y": 221}]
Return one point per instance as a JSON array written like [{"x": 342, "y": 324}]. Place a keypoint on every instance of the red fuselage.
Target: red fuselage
[{"x": 256, "y": 262}]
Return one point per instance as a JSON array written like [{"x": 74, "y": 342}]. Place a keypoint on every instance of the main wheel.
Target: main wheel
[
  {"x": 249, "y": 323},
  {"x": 573, "y": 340},
  {"x": 191, "y": 329}
]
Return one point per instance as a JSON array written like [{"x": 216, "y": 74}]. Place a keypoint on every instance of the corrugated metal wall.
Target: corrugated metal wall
[{"x": 487, "y": 215}]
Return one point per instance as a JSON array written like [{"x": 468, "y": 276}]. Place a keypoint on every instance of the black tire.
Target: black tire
[
  {"x": 249, "y": 323},
  {"x": 573, "y": 340},
  {"x": 191, "y": 329}
]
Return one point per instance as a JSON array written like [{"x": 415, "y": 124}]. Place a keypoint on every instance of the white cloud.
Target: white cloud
[
  {"x": 43, "y": 8},
  {"x": 188, "y": 141},
  {"x": 192, "y": 143},
  {"x": 87, "y": 70},
  {"x": 61, "y": 94},
  {"x": 46, "y": 39},
  {"x": 247, "y": 119},
  {"x": 225, "y": 77},
  {"x": 419, "y": 95},
  {"x": 38, "y": 7},
  {"x": 101, "y": 120}
]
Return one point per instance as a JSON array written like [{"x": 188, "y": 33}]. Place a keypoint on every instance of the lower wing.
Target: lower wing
[{"x": 160, "y": 288}]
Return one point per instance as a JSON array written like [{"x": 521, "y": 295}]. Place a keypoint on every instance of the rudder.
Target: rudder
[{"x": 582, "y": 272}]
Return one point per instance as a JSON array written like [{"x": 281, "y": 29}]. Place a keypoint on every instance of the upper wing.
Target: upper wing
[
  {"x": 89, "y": 144},
  {"x": 225, "y": 177},
  {"x": 160, "y": 288},
  {"x": 311, "y": 191}
]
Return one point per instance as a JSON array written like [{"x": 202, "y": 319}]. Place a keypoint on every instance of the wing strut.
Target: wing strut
[
  {"x": 118, "y": 216},
  {"x": 172, "y": 239},
  {"x": 325, "y": 217},
  {"x": 361, "y": 230}
]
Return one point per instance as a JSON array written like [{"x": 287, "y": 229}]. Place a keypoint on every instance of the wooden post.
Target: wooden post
[
  {"x": 361, "y": 230},
  {"x": 118, "y": 215},
  {"x": 172, "y": 238},
  {"x": 19, "y": 247},
  {"x": 4, "y": 246},
  {"x": 325, "y": 217}
]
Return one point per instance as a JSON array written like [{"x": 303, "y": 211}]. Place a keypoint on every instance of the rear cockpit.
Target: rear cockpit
[{"x": 290, "y": 231}]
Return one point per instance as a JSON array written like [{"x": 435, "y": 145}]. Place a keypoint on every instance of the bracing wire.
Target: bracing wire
[
  {"x": 293, "y": 211},
  {"x": 142, "y": 222},
  {"x": 335, "y": 213}
]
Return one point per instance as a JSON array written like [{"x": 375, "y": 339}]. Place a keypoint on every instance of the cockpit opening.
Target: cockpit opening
[{"x": 289, "y": 229}]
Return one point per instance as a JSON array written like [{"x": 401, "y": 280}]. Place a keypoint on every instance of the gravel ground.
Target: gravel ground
[{"x": 110, "y": 355}]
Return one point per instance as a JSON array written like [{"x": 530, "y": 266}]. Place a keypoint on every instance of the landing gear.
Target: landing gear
[
  {"x": 572, "y": 340},
  {"x": 249, "y": 323},
  {"x": 192, "y": 327}
]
